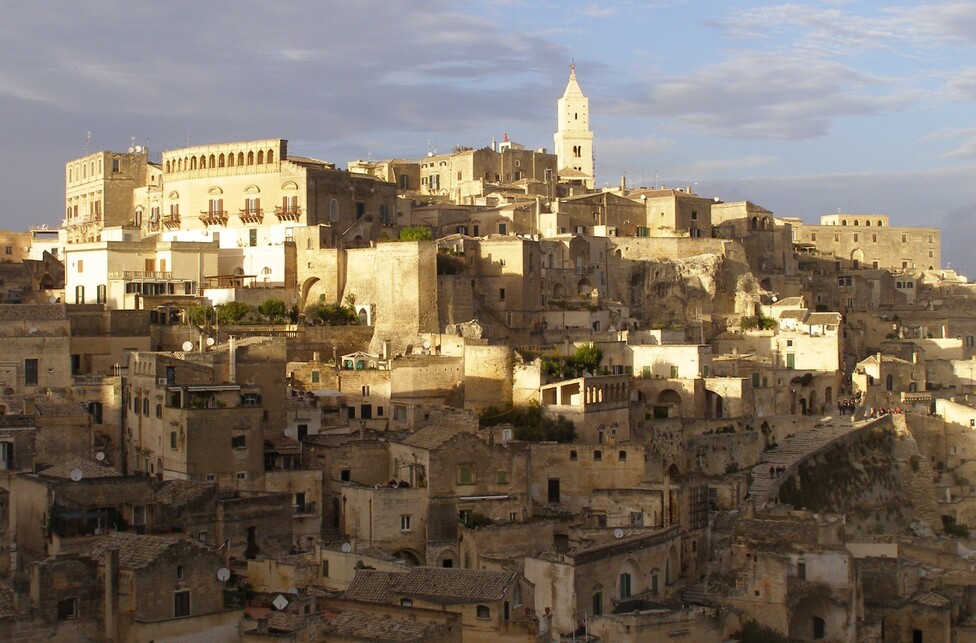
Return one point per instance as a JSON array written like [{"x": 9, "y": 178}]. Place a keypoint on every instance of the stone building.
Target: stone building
[
  {"x": 99, "y": 193},
  {"x": 466, "y": 175},
  {"x": 161, "y": 587},
  {"x": 868, "y": 241},
  {"x": 494, "y": 606}
]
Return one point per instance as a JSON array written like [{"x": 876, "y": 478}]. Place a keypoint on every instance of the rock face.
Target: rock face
[
  {"x": 676, "y": 290},
  {"x": 876, "y": 476}
]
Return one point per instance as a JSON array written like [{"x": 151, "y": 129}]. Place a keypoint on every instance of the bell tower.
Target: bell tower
[{"x": 573, "y": 138}]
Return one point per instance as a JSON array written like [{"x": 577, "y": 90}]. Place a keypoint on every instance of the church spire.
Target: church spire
[{"x": 573, "y": 139}]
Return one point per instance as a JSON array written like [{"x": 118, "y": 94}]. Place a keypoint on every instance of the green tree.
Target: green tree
[
  {"x": 588, "y": 357},
  {"x": 416, "y": 233},
  {"x": 233, "y": 312},
  {"x": 331, "y": 314},
  {"x": 273, "y": 309},
  {"x": 530, "y": 423},
  {"x": 198, "y": 314}
]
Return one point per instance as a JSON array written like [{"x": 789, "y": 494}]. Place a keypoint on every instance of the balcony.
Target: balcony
[
  {"x": 251, "y": 215},
  {"x": 128, "y": 275},
  {"x": 290, "y": 213},
  {"x": 213, "y": 217},
  {"x": 306, "y": 509},
  {"x": 172, "y": 221}
]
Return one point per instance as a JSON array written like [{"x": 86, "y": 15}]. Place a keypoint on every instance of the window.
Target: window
[
  {"x": 597, "y": 603},
  {"x": 406, "y": 602},
  {"x": 345, "y": 475},
  {"x": 801, "y": 571},
  {"x": 502, "y": 228},
  {"x": 179, "y": 572},
  {"x": 819, "y": 628},
  {"x": 252, "y": 237},
  {"x": 79, "y": 294},
  {"x": 238, "y": 442},
  {"x": 625, "y": 585},
  {"x": 181, "y": 603},
  {"x": 501, "y": 294},
  {"x": 30, "y": 372},
  {"x": 573, "y": 456},
  {"x": 172, "y": 440},
  {"x": 622, "y": 456},
  {"x": 325, "y": 569},
  {"x": 159, "y": 410},
  {"x": 241, "y": 475},
  {"x": 502, "y": 477},
  {"x": 68, "y": 609},
  {"x": 904, "y": 238},
  {"x": 405, "y": 522},
  {"x": 465, "y": 474},
  {"x": 674, "y": 372},
  {"x": 597, "y": 455},
  {"x": 553, "y": 495},
  {"x": 315, "y": 377},
  {"x": 482, "y": 611},
  {"x": 211, "y": 477}
]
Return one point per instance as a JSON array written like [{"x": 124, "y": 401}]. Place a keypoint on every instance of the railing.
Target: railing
[
  {"x": 251, "y": 215},
  {"x": 213, "y": 217},
  {"x": 306, "y": 509},
  {"x": 290, "y": 213},
  {"x": 172, "y": 221},
  {"x": 140, "y": 274}
]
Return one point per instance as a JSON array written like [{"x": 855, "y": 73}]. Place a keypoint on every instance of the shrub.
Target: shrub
[
  {"x": 416, "y": 233},
  {"x": 273, "y": 309}
]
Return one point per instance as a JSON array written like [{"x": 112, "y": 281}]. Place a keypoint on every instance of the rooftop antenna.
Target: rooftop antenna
[
  {"x": 188, "y": 137},
  {"x": 87, "y": 141}
]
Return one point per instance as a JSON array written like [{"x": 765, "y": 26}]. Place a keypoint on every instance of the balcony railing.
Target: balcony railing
[
  {"x": 252, "y": 215},
  {"x": 290, "y": 213},
  {"x": 213, "y": 217},
  {"x": 172, "y": 221},
  {"x": 140, "y": 274}
]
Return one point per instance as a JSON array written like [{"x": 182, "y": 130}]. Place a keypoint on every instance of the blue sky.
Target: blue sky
[{"x": 805, "y": 108}]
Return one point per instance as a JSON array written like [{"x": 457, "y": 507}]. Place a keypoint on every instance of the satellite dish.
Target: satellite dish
[
  {"x": 346, "y": 548},
  {"x": 211, "y": 341},
  {"x": 131, "y": 149},
  {"x": 426, "y": 344},
  {"x": 100, "y": 456},
  {"x": 52, "y": 300},
  {"x": 618, "y": 533},
  {"x": 223, "y": 574},
  {"x": 76, "y": 474},
  {"x": 138, "y": 148},
  {"x": 188, "y": 345},
  {"x": 280, "y": 602},
  {"x": 288, "y": 432}
]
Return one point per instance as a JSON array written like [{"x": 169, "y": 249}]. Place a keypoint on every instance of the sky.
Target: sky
[{"x": 806, "y": 108}]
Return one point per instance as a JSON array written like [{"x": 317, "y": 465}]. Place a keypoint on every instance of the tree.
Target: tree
[
  {"x": 588, "y": 357},
  {"x": 198, "y": 314},
  {"x": 331, "y": 314},
  {"x": 416, "y": 233},
  {"x": 530, "y": 423},
  {"x": 233, "y": 312},
  {"x": 273, "y": 309}
]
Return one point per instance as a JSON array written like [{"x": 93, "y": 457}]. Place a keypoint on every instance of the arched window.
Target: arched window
[
  {"x": 482, "y": 611},
  {"x": 250, "y": 158},
  {"x": 868, "y": 223},
  {"x": 221, "y": 161},
  {"x": 240, "y": 158},
  {"x": 334, "y": 210},
  {"x": 260, "y": 157},
  {"x": 856, "y": 222},
  {"x": 213, "y": 161},
  {"x": 889, "y": 383},
  {"x": 270, "y": 157},
  {"x": 230, "y": 160}
]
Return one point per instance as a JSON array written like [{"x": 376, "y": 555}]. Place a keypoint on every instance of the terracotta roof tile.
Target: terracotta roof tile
[
  {"x": 88, "y": 469},
  {"x": 383, "y": 628},
  {"x": 135, "y": 551},
  {"x": 435, "y": 584}
]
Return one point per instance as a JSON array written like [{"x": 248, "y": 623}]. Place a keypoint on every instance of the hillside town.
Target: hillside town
[{"x": 254, "y": 396}]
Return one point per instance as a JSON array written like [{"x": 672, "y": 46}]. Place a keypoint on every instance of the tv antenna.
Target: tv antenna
[{"x": 87, "y": 141}]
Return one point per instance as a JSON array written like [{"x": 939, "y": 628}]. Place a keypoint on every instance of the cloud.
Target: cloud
[{"x": 762, "y": 95}]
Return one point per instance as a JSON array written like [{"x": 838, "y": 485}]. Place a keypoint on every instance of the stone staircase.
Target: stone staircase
[{"x": 792, "y": 451}]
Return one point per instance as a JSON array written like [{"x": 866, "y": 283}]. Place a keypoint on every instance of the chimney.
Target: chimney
[
  {"x": 232, "y": 359},
  {"x": 111, "y": 593},
  {"x": 623, "y": 185},
  {"x": 386, "y": 349}
]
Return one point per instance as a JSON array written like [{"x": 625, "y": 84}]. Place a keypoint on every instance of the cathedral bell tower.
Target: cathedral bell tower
[{"x": 573, "y": 138}]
